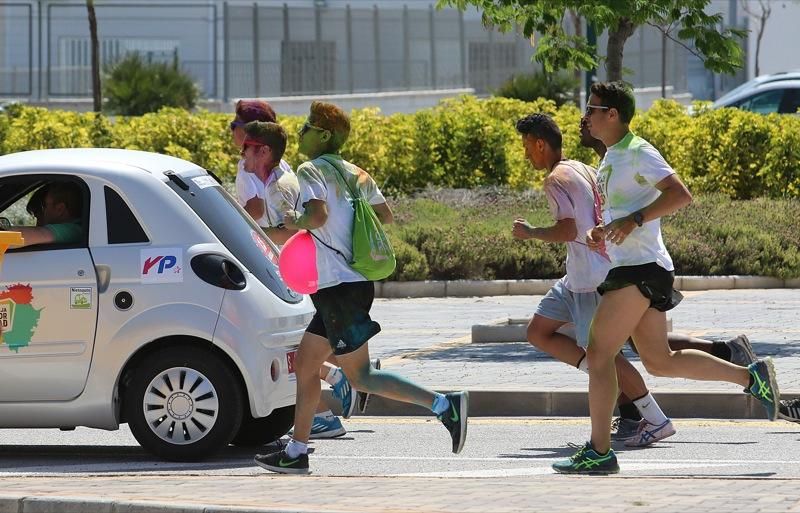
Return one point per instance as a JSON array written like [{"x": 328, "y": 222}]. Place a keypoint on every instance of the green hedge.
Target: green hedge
[
  {"x": 467, "y": 235},
  {"x": 462, "y": 143}
]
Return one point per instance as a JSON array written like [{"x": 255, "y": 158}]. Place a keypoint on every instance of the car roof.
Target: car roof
[
  {"x": 788, "y": 83},
  {"x": 81, "y": 159}
]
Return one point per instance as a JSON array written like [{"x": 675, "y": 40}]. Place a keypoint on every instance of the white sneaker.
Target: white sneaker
[{"x": 649, "y": 433}]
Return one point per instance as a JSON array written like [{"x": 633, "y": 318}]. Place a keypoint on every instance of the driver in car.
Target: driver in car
[{"x": 57, "y": 208}]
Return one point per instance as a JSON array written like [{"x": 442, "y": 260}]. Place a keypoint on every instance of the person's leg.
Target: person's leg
[
  {"x": 542, "y": 334},
  {"x": 616, "y": 318},
  {"x": 758, "y": 378},
  {"x": 737, "y": 350},
  {"x": 312, "y": 352}
]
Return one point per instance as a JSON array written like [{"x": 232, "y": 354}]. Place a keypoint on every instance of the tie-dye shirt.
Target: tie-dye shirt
[
  {"x": 627, "y": 179},
  {"x": 279, "y": 193},
  {"x": 321, "y": 181},
  {"x": 572, "y": 194}
]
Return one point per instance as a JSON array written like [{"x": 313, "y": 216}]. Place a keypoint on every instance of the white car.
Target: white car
[
  {"x": 766, "y": 94},
  {"x": 169, "y": 314}
]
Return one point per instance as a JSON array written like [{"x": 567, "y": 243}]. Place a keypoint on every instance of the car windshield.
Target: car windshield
[
  {"x": 733, "y": 92},
  {"x": 234, "y": 228}
]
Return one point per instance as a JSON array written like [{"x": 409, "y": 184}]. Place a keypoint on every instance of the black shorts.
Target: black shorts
[
  {"x": 343, "y": 315},
  {"x": 652, "y": 280}
]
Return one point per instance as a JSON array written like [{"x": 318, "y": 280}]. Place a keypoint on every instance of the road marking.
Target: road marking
[{"x": 536, "y": 471}]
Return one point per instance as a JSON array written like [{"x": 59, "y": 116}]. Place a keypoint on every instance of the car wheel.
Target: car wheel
[
  {"x": 258, "y": 432},
  {"x": 183, "y": 403}
]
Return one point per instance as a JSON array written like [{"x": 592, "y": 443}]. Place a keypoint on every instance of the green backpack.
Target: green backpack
[{"x": 373, "y": 256}]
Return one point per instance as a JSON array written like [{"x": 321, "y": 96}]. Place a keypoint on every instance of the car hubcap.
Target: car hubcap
[{"x": 181, "y": 405}]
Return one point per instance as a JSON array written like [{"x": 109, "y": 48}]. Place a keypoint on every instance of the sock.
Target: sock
[
  {"x": 294, "y": 448},
  {"x": 327, "y": 414},
  {"x": 629, "y": 411},
  {"x": 649, "y": 410},
  {"x": 440, "y": 404},
  {"x": 334, "y": 376},
  {"x": 721, "y": 351},
  {"x": 583, "y": 364}
]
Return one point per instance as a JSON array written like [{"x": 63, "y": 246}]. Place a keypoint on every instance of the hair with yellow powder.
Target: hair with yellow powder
[{"x": 333, "y": 119}]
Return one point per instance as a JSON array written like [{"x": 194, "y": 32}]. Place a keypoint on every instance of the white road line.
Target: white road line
[{"x": 537, "y": 471}]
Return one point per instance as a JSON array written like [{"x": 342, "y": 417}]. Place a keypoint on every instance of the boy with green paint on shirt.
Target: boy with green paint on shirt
[
  {"x": 342, "y": 324},
  {"x": 637, "y": 188}
]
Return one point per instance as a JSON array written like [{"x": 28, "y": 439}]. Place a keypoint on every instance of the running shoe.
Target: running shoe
[
  {"x": 363, "y": 397},
  {"x": 326, "y": 427},
  {"x": 588, "y": 461},
  {"x": 622, "y": 428},
  {"x": 741, "y": 351},
  {"x": 281, "y": 463},
  {"x": 790, "y": 410},
  {"x": 650, "y": 433},
  {"x": 765, "y": 386},
  {"x": 455, "y": 418},
  {"x": 344, "y": 393}
]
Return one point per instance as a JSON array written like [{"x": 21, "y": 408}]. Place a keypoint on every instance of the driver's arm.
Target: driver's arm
[{"x": 34, "y": 235}]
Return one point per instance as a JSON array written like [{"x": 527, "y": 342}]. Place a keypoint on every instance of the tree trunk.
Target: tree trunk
[
  {"x": 97, "y": 95},
  {"x": 616, "y": 44},
  {"x": 577, "y": 24}
]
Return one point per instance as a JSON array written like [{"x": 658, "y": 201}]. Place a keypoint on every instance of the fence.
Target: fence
[{"x": 242, "y": 50}]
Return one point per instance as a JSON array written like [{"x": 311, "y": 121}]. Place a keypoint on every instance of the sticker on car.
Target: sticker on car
[
  {"x": 161, "y": 265},
  {"x": 80, "y": 298}
]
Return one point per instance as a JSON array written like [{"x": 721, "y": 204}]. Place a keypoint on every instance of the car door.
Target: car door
[{"x": 48, "y": 305}]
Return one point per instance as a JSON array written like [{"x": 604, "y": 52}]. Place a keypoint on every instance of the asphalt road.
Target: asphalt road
[{"x": 397, "y": 446}]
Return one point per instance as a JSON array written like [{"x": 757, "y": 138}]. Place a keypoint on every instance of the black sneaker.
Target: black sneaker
[
  {"x": 363, "y": 397},
  {"x": 281, "y": 463},
  {"x": 455, "y": 418},
  {"x": 622, "y": 428},
  {"x": 789, "y": 410}
]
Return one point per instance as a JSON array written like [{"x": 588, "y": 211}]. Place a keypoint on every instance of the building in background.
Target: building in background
[{"x": 310, "y": 47}]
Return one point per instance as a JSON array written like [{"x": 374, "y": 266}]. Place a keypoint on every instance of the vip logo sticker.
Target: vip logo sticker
[
  {"x": 80, "y": 298},
  {"x": 161, "y": 265}
]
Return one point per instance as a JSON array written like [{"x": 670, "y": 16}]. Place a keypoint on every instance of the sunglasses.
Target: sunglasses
[
  {"x": 236, "y": 124},
  {"x": 308, "y": 126},
  {"x": 590, "y": 107}
]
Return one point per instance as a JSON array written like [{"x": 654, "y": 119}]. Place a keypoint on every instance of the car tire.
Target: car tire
[
  {"x": 194, "y": 403},
  {"x": 257, "y": 432}
]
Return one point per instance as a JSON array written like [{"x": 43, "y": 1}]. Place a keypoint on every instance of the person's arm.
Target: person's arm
[
  {"x": 279, "y": 235},
  {"x": 315, "y": 216},
  {"x": 255, "y": 207},
  {"x": 565, "y": 230},
  {"x": 35, "y": 235},
  {"x": 674, "y": 196},
  {"x": 384, "y": 213}
]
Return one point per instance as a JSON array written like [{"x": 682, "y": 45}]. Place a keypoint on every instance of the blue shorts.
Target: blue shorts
[
  {"x": 561, "y": 304},
  {"x": 343, "y": 315}
]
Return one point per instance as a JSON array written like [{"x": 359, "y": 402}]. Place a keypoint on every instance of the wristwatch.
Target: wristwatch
[{"x": 638, "y": 218}]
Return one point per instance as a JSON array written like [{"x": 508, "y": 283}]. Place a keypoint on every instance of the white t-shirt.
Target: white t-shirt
[
  {"x": 627, "y": 177},
  {"x": 280, "y": 193},
  {"x": 571, "y": 193},
  {"x": 321, "y": 181}
]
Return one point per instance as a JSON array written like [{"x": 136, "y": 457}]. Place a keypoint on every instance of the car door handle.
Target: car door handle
[{"x": 103, "y": 277}]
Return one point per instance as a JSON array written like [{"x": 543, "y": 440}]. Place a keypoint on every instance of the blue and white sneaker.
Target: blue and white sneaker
[
  {"x": 326, "y": 427},
  {"x": 345, "y": 393},
  {"x": 650, "y": 433}
]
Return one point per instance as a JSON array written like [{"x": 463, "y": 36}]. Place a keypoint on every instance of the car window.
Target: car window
[
  {"x": 121, "y": 224},
  {"x": 22, "y": 199},
  {"x": 234, "y": 228},
  {"x": 791, "y": 102},
  {"x": 763, "y": 103}
]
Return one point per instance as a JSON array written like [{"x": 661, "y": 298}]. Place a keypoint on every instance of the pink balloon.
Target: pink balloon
[{"x": 298, "y": 263}]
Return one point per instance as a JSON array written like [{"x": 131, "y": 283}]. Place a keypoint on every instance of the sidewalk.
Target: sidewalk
[
  {"x": 283, "y": 494},
  {"x": 428, "y": 340}
]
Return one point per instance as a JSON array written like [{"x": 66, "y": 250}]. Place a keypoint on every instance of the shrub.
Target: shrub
[
  {"x": 134, "y": 87},
  {"x": 556, "y": 87}
]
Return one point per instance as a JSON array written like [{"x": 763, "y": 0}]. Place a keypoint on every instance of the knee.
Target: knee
[
  {"x": 659, "y": 366},
  {"x": 537, "y": 335},
  {"x": 359, "y": 378}
]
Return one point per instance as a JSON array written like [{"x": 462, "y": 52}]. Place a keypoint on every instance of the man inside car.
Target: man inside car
[{"x": 57, "y": 208}]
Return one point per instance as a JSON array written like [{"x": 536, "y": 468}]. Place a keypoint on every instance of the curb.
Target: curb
[
  {"x": 56, "y": 504},
  {"x": 575, "y": 403},
  {"x": 472, "y": 288}
]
